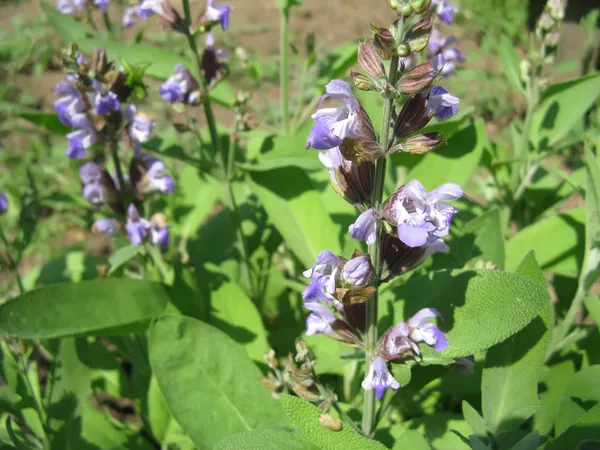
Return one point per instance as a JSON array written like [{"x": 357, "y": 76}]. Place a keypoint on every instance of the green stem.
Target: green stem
[
  {"x": 123, "y": 192},
  {"x": 371, "y": 338},
  {"x": 283, "y": 72},
  {"x": 11, "y": 261},
  {"x": 206, "y": 103},
  {"x": 159, "y": 262},
  {"x": 108, "y": 24}
]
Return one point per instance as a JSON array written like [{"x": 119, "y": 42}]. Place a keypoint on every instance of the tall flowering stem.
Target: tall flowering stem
[
  {"x": 206, "y": 103},
  {"x": 369, "y": 411},
  {"x": 283, "y": 72}
]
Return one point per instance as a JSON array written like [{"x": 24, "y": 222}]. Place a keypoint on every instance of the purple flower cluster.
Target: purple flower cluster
[
  {"x": 181, "y": 87},
  {"x": 145, "y": 9},
  {"x": 330, "y": 277},
  {"x": 138, "y": 228},
  {"x": 444, "y": 46},
  {"x": 399, "y": 341},
  {"x": 71, "y": 7}
]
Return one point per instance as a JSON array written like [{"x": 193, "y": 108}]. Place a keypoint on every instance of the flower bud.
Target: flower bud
[
  {"x": 397, "y": 258},
  {"x": 303, "y": 353},
  {"x": 419, "y": 144},
  {"x": 417, "y": 36},
  {"x": 363, "y": 82},
  {"x": 370, "y": 61},
  {"x": 412, "y": 117},
  {"x": 556, "y": 8},
  {"x": 383, "y": 42},
  {"x": 422, "y": 76},
  {"x": 270, "y": 359},
  {"x": 99, "y": 61},
  {"x": 420, "y": 6},
  {"x": 358, "y": 272}
]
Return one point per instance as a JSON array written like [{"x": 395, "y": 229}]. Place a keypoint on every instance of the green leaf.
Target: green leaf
[
  {"x": 69, "y": 29},
  {"x": 459, "y": 157},
  {"x": 479, "y": 308},
  {"x": 585, "y": 384},
  {"x": 266, "y": 439},
  {"x": 563, "y": 106},
  {"x": 306, "y": 418},
  {"x": 592, "y": 229},
  {"x": 566, "y": 233},
  {"x": 555, "y": 380},
  {"x": 159, "y": 416},
  {"x": 122, "y": 256},
  {"x": 488, "y": 236},
  {"x": 296, "y": 210},
  {"x": 48, "y": 121},
  {"x": 9, "y": 400},
  {"x": 592, "y": 304},
  {"x": 586, "y": 427},
  {"x": 337, "y": 63},
  {"x": 235, "y": 314},
  {"x": 529, "y": 442},
  {"x": 209, "y": 384},
  {"x": 513, "y": 367},
  {"x": 282, "y": 151},
  {"x": 437, "y": 430},
  {"x": 68, "y": 309},
  {"x": 411, "y": 439},
  {"x": 510, "y": 62},
  {"x": 475, "y": 421},
  {"x": 68, "y": 396}
]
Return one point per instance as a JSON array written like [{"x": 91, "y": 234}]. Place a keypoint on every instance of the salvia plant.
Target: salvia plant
[{"x": 362, "y": 268}]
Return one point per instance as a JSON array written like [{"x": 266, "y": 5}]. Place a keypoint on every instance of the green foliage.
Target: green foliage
[
  {"x": 306, "y": 418},
  {"x": 197, "y": 365}
]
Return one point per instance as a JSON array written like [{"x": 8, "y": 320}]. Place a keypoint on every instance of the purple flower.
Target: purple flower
[
  {"x": 444, "y": 10},
  {"x": 333, "y": 125},
  {"x": 365, "y": 227},
  {"x": 177, "y": 86},
  {"x": 79, "y": 140},
  {"x": 316, "y": 290},
  {"x": 148, "y": 8},
  {"x": 358, "y": 271},
  {"x": 136, "y": 226},
  {"x": 106, "y": 102},
  {"x": 441, "y": 104},
  {"x": 106, "y": 227},
  {"x": 333, "y": 159},
  {"x": 421, "y": 215},
  {"x": 156, "y": 177},
  {"x": 423, "y": 331},
  {"x": 102, "y": 4},
  {"x": 319, "y": 320},
  {"x": 452, "y": 56},
  {"x": 396, "y": 341},
  {"x": 160, "y": 236},
  {"x": 129, "y": 16},
  {"x": 326, "y": 264},
  {"x": 90, "y": 172},
  {"x": 218, "y": 13},
  {"x": 71, "y": 6},
  {"x": 3, "y": 203},
  {"x": 95, "y": 193},
  {"x": 379, "y": 378},
  {"x": 69, "y": 105},
  {"x": 141, "y": 127}
]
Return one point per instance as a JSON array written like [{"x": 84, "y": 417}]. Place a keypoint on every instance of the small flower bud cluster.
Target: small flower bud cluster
[
  {"x": 301, "y": 379},
  {"x": 548, "y": 28}
]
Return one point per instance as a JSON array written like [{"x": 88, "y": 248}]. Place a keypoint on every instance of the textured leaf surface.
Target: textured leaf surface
[
  {"x": 566, "y": 232},
  {"x": 266, "y": 439},
  {"x": 306, "y": 417},
  {"x": 513, "y": 367},
  {"x": 488, "y": 236},
  {"x": 75, "y": 308},
  {"x": 480, "y": 308},
  {"x": 296, "y": 209},
  {"x": 209, "y": 384}
]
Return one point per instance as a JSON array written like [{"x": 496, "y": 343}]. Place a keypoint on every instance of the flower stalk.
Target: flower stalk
[{"x": 369, "y": 410}]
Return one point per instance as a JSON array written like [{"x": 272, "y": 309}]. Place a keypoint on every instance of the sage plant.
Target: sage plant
[{"x": 401, "y": 229}]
